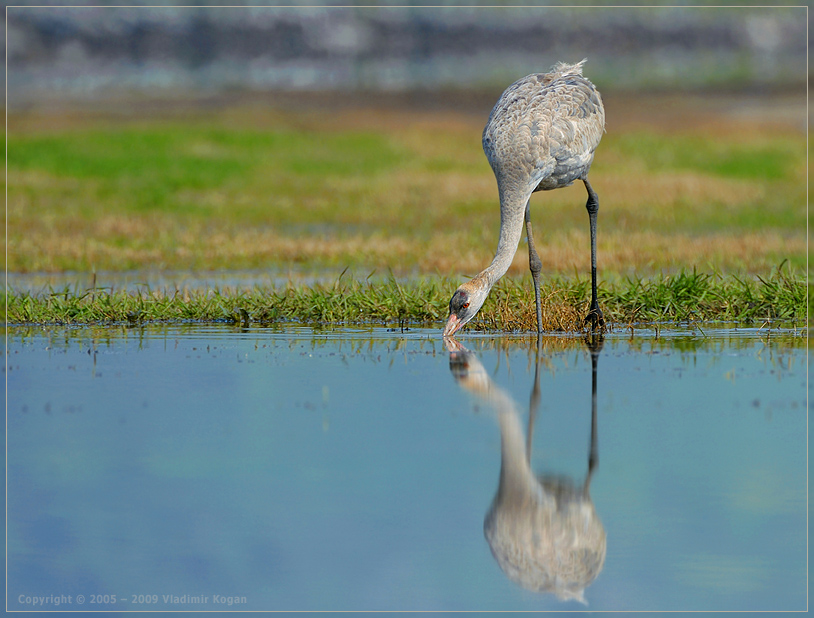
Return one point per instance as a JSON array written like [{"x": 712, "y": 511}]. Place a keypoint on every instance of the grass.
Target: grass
[
  {"x": 409, "y": 191},
  {"x": 687, "y": 296},
  {"x": 254, "y": 188}
]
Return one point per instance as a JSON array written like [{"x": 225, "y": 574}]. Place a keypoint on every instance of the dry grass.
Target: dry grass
[
  {"x": 116, "y": 242},
  {"x": 424, "y": 199}
]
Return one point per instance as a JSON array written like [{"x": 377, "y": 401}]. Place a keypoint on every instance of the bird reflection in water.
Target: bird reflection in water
[{"x": 543, "y": 530}]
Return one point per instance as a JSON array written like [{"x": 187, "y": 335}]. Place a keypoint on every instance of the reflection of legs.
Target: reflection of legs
[
  {"x": 535, "y": 266},
  {"x": 534, "y": 400},
  {"x": 595, "y": 314},
  {"x": 594, "y": 343}
]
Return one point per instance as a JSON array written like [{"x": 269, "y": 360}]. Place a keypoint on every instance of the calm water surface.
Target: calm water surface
[{"x": 189, "y": 467}]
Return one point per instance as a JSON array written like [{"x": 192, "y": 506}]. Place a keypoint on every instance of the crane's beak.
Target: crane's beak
[{"x": 453, "y": 325}]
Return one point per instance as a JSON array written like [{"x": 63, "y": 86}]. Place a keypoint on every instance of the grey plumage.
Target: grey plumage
[
  {"x": 541, "y": 135},
  {"x": 544, "y": 129}
]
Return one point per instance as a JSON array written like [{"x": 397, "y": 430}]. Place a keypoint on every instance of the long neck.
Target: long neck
[{"x": 512, "y": 212}]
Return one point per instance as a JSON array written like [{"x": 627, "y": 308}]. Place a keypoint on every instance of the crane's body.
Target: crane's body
[
  {"x": 541, "y": 135},
  {"x": 544, "y": 129}
]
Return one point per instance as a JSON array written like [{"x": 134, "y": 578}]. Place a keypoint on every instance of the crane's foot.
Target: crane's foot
[{"x": 595, "y": 319}]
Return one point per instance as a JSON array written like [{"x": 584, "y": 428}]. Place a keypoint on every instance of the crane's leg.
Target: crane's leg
[
  {"x": 595, "y": 314},
  {"x": 535, "y": 266}
]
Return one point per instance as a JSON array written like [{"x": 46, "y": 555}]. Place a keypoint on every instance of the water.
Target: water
[
  {"x": 189, "y": 467},
  {"x": 40, "y": 284}
]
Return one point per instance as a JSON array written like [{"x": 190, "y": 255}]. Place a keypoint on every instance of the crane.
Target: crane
[{"x": 541, "y": 135}]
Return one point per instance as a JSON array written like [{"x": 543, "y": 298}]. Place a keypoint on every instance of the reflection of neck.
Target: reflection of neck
[{"x": 517, "y": 483}]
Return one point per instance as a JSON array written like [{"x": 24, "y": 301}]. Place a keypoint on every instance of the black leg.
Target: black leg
[
  {"x": 535, "y": 266},
  {"x": 595, "y": 314}
]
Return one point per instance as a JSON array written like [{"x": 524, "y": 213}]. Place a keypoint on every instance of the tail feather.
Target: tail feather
[{"x": 563, "y": 68}]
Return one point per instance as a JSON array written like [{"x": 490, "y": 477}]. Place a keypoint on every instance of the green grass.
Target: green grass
[
  {"x": 762, "y": 159},
  {"x": 167, "y": 167},
  {"x": 687, "y": 296}
]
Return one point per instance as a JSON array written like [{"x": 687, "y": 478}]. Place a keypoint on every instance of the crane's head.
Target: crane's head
[{"x": 464, "y": 305}]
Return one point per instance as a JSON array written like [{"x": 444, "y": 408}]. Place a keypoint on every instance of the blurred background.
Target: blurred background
[
  {"x": 268, "y": 138},
  {"x": 57, "y": 53}
]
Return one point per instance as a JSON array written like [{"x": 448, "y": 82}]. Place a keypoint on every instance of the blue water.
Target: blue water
[{"x": 189, "y": 467}]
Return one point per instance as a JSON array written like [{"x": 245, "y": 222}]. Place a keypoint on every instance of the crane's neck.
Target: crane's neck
[{"x": 512, "y": 212}]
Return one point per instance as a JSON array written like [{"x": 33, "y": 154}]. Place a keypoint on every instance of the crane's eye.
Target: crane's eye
[{"x": 465, "y": 305}]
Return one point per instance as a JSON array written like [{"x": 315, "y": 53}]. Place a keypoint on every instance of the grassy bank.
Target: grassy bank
[{"x": 683, "y": 297}]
